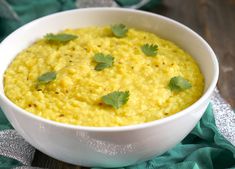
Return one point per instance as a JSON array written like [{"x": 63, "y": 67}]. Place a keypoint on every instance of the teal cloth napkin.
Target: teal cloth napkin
[
  {"x": 28, "y": 10},
  {"x": 15, "y": 13}
]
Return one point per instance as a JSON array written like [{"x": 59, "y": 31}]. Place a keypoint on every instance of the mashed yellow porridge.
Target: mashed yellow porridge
[{"x": 75, "y": 93}]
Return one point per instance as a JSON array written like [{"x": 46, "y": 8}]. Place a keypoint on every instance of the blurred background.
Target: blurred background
[{"x": 214, "y": 20}]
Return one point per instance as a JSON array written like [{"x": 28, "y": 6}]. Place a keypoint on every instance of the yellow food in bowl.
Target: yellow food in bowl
[{"x": 75, "y": 94}]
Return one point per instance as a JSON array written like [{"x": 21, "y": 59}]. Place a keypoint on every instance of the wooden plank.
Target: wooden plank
[
  {"x": 214, "y": 20},
  {"x": 219, "y": 27}
]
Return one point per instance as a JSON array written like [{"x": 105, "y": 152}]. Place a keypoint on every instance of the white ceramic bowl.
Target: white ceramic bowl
[{"x": 114, "y": 146}]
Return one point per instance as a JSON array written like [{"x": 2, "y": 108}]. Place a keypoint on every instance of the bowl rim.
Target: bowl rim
[{"x": 177, "y": 115}]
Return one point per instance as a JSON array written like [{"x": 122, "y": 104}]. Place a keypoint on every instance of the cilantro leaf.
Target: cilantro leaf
[
  {"x": 103, "y": 61},
  {"x": 46, "y": 77},
  {"x": 116, "y": 99},
  {"x": 178, "y": 83},
  {"x": 119, "y": 30},
  {"x": 62, "y": 37},
  {"x": 149, "y": 49}
]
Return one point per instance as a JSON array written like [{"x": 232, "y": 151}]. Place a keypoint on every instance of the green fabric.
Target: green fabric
[
  {"x": 4, "y": 124},
  {"x": 28, "y": 10},
  {"x": 7, "y": 163},
  {"x": 203, "y": 148}
]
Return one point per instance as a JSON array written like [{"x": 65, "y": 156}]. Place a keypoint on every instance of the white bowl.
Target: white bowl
[{"x": 108, "y": 146}]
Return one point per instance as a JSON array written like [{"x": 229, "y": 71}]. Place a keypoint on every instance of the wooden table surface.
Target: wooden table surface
[{"x": 214, "y": 20}]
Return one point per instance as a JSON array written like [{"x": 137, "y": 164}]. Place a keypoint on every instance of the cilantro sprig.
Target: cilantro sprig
[
  {"x": 178, "y": 83},
  {"x": 149, "y": 49},
  {"x": 119, "y": 30},
  {"x": 62, "y": 37},
  {"x": 116, "y": 99},
  {"x": 103, "y": 61},
  {"x": 46, "y": 77}
]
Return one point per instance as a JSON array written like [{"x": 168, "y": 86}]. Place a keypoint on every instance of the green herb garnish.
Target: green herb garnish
[
  {"x": 149, "y": 49},
  {"x": 116, "y": 99},
  {"x": 62, "y": 37},
  {"x": 46, "y": 77},
  {"x": 178, "y": 83},
  {"x": 119, "y": 30},
  {"x": 103, "y": 61}
]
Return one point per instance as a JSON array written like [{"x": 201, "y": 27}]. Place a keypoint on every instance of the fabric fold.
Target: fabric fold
[
  {"x": 12, "y": 145},
  {"x": 224, "y": 117},
  {"x": 203, "y": 148}
]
